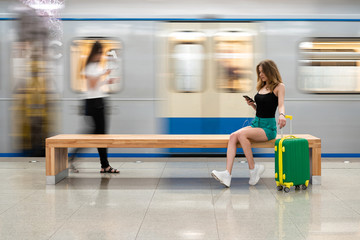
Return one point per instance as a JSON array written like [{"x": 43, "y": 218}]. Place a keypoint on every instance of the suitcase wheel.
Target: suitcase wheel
[
  {"x": 304, "y": 187},
  {"x": 279, "y": 188},
  {"x": 286, "y": 189},
  {"x": 297, "y": 187}
]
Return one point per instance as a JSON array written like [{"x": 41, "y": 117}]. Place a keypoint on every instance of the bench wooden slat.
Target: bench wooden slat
[{"x": 156, "y": 141}]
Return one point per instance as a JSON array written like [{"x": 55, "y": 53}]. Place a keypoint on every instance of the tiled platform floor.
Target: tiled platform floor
[{"x": 174, "y": 199}]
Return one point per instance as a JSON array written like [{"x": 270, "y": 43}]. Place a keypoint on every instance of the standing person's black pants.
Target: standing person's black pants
[{"x": 95, "y": 109}]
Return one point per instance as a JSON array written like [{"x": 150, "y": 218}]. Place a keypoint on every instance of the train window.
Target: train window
[
  {"x": 187, "y": 55},
  {"x": 234, "y": 61},
  {"x": 329, "y": 65},
  {"x": 111, "y": 59}
]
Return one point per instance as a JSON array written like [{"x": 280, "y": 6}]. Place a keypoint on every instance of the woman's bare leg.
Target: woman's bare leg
[
  {"x": 244, "y": 136},
  {"x": 231, "y": 149},
  {"x": 247, "y": 135}
]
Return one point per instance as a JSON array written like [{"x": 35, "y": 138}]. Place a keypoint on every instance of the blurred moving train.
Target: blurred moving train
[{"x": 188, "y": 75}]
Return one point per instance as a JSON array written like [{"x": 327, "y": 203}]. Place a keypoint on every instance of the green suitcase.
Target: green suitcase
[{"x": 292, "y": 165}]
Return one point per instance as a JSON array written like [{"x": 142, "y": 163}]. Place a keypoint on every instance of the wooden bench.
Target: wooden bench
[{"x": 57, "y": 148}]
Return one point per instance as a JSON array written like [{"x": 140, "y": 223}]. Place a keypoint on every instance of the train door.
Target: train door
[
  {"x": 235, "y": 46},
  {"x": 184, "y": 67},
  {"x": 205, "y": 68}
]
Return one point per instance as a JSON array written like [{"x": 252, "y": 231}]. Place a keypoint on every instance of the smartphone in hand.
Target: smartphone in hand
[{"x": 248, "y": 98}]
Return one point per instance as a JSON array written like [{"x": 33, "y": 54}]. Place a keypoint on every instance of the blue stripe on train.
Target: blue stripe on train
[{"x": 202, "y": 126}]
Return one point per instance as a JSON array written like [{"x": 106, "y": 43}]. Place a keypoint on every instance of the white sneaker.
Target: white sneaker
[
  {"x": 223, "y": 177},
  {"x": 256, "y": 173}
]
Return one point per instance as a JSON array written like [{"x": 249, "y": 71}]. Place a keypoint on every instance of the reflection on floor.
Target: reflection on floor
[{"x": 174, "y": 199}]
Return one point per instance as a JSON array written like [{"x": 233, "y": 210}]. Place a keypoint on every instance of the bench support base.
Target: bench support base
[
  {"x": 58, "y": 177},
  {"x": 316, "y": 180}
]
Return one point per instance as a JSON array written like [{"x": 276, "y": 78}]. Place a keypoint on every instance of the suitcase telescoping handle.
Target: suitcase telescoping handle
[{"x": 291, "y": 130}]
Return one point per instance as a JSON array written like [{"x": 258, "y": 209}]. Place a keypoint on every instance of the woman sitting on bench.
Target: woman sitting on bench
[{"x": 270, "y": 96}]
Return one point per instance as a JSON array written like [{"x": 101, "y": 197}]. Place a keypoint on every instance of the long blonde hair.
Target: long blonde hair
[{"x": 271, "y": 72}]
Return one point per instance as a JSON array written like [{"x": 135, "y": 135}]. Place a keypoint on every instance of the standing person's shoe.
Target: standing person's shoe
[
  {"x": 73, "y": 168},
  {"x": 256, "y": 173},
  {"x": 71, "y": 165},
  {"x": 109, "y": 170},
  {"x": 223, "y": 177}
]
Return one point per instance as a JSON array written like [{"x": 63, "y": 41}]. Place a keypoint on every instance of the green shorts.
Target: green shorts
[{"x": 268, "y": 124}]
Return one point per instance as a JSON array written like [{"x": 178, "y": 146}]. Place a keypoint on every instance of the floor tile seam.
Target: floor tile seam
[
  {"x": 13, "y": 205},
  {"x": 66, "y": 221},
  {"x": 165, "y": 166},
  {"x": 152, "y": 197},
  {"x": 274, "y": 193},
  {"x": 332, "y": 168},
  {"x": 22, "y": 200},
  {"x": 348, "y": 206},
  {"x": 134, "y": 162},
  {"x": 213, "y": 203},
  {"x": 344, "y": 203},
  {"x": 297, "y": 227},
  {"x": 6, "y": 170}
]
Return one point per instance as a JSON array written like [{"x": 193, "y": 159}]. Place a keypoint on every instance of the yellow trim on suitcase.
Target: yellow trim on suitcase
[
  {"x": 281, "y": 174},
  {"x": 307, "y": 183},
  {"x": 281, "y": 150}
]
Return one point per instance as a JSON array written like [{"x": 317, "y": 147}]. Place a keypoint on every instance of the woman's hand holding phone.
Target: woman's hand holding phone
[{"x": 249, "y": 100}]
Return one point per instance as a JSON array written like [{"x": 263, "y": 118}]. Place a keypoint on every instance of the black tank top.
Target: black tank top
[{"x": 266, "y": 105}]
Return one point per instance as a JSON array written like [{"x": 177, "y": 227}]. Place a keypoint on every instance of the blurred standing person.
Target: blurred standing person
[
  {"x": 270, "y": 96},
  {"x": 95, "y": 102}
]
